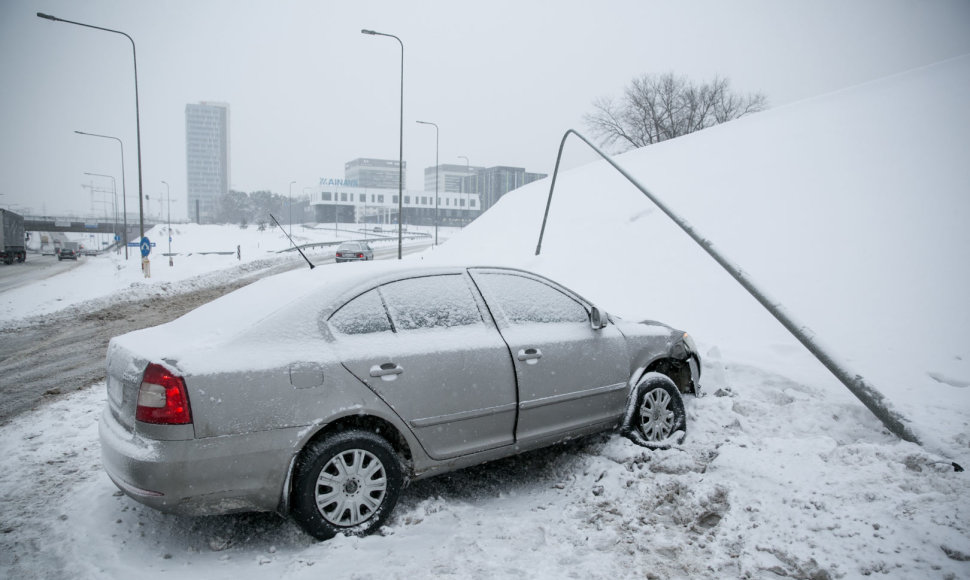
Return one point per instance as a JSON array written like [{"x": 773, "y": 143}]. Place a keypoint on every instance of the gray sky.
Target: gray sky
[{"x": 503, "y": 80}]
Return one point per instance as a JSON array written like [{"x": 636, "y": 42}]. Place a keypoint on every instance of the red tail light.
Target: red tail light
[
  {"x": 360, "y": 255},
  {"x": 339, "y": 255},
  {"x": 162, "y": 398}
]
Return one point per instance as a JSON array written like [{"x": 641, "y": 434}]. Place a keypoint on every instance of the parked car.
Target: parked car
[
  {"x": 354, "y": 252},
  {"x": 324, "y": 405}
]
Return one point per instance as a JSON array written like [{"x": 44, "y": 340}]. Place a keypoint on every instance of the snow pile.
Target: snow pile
[{"x": 853, "y": 215}]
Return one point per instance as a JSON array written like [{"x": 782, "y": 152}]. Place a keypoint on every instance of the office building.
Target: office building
[
  {"x": 449, "y": 177},
  {"x": 206, "y": 158},
  {"x": 375, "y": 173},
  {"x": 494, "y": 182}
]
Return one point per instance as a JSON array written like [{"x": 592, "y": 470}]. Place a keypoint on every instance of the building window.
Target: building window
[
  {"x": 393, "y": 199},
  {"x": 471, "y": 202},
  {"x": 380, "y": 199},
  {"x": 363, "y": 197},
  {"x": 325, "y": 195},
  {"x": 343, "y": 197},
  {"x": 461, "y": 202},
  {"x": 407, "y": 199},
  {"x": 424, "y": 200}
]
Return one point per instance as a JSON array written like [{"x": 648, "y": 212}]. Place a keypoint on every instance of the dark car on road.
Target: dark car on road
[
  {"x": 354, "y": 252},
  {"x": 68, "y": 251}
]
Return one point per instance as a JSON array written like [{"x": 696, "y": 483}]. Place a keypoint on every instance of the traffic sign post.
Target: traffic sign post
[{"x": 146, "y": 248}]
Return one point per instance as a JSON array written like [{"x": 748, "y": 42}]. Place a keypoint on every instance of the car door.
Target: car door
[
  {"x": 569, "y": 375},
  {"x": 426, "y": 347}
]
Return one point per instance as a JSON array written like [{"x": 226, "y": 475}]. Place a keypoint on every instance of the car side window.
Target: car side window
[
  {"x": 526, "y": 301},
  {"x": 431, "y": 302},
  {"x": 364, "y": 314}
]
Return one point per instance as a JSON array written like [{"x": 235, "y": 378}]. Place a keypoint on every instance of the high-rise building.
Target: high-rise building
[
  {"x": 492, "y": 183},
  {"x": 206, "y": 158},
  {"x": 375, "y": 173},
  {"x": 449, "y": 177}
]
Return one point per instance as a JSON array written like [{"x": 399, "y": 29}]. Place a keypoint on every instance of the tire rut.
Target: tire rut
[{"x": 49, "y": 356}]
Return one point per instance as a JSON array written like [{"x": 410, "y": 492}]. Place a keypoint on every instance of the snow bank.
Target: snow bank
[{"x": 846, "y": 209}]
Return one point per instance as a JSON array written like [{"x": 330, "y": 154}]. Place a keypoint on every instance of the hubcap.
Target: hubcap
[
  {"x": 656, "y": 417},
  {"x": 351, "y": 487}
]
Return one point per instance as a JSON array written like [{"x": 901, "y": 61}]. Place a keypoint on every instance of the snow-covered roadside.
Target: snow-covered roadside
[
  {"x": 206, "y": 256},
  {"x": 774, "y": 480}
]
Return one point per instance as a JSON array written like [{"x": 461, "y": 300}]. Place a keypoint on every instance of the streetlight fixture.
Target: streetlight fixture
[
  {"x": 435, "y": 178},
  {"x": 467, "y": 198},
  {"x": 400, "y": 178},
  {"x": 114, "y": 192},
  {"x": 168, "y": 196},
  {"x": 124, "y": 196},
  {"x": 134, "y": 58}
]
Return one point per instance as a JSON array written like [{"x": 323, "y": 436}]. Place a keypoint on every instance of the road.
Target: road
[
  {"x": 35, "y": 269},
  {"x": 65, "y": 352}
]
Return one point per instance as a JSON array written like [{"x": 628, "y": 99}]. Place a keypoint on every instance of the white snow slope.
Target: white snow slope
[{"x": 851, "y": 209}]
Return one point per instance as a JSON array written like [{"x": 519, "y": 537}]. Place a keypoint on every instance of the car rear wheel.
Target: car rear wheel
[
  {"x": 347, "y": 483},
  {"x": 655, "y": 416}
]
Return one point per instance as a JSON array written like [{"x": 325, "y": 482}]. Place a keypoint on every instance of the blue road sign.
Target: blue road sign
[
  {"x": 117, "y": 238},
  {"x": 146, "y": 247}
]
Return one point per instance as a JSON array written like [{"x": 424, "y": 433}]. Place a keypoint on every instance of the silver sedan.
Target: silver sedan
[
  {"x": 324, "y": 405},
  {"x": 354, "y": 252}
]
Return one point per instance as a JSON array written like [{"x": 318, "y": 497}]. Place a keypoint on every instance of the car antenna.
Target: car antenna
[{"x": 292, "y": 242}]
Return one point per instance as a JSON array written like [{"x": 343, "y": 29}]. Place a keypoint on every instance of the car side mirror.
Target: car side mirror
[{"x": 598, "y": 318}]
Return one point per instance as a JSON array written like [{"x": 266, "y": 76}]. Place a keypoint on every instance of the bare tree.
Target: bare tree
[{"x": 655, "y": 108}]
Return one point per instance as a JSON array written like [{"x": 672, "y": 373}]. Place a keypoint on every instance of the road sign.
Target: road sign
[
  {"x": 117, "y": 238},
  {"x": 146, "y": 247}
]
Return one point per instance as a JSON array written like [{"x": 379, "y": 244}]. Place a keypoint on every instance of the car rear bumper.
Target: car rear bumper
[{"x": 215, "y": 475}]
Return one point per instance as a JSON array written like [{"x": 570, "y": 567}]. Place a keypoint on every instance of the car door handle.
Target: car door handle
[
  {"x": 387, "y": 371},
  {"x": 531, "y": 356}
]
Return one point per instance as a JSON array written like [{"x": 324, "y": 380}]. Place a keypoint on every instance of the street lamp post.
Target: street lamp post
[
  {"x": 114, "y": 191},
  {"x": 134, "y": 58},
  {"x": 400, "y": 179},
  {"x": 467, "y": 172},
  {"x": 168, "y": 197},
  {"x": 290, "y": 199},
  {"x": 124, "y": 196},
  {"x": 435, "y": 178}
]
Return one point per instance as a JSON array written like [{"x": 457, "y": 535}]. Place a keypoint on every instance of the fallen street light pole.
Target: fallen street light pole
[{"x": 857, "y": 385}]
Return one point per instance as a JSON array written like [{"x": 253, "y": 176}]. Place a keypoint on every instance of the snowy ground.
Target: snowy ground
[{"x": 862, "y": 234}]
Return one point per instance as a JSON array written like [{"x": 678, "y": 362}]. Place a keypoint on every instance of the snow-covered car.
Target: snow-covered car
[
  {"x": 326, "y": 403},
  {"x": 354, "y": 252}
]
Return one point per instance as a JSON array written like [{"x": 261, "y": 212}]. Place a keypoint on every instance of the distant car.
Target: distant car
[
  {"x": 320, "y": 393},
  {"x": 354, "y": 252},
  {"x": 68, "y": 252}
]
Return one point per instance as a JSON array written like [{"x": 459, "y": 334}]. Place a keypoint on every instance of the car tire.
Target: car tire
[
  {"x": 346, "y": 484},
  {"x": 655, "y": 416}
]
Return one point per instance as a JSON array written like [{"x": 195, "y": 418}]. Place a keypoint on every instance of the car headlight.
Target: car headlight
[
  {"x": 683, "y": 348},
  {"x": 689, "y": 341}
]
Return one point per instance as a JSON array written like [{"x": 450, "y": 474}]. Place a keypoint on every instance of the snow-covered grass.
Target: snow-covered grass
[{"x": 851, "y": 213}]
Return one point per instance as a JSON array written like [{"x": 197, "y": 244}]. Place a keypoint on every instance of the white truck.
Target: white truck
[{"x": 13, "y": 244}]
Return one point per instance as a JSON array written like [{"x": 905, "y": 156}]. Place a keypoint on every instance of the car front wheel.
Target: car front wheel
[
  {"x": 655, "y": 415},
  {"x": 346, "y": 484}
]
